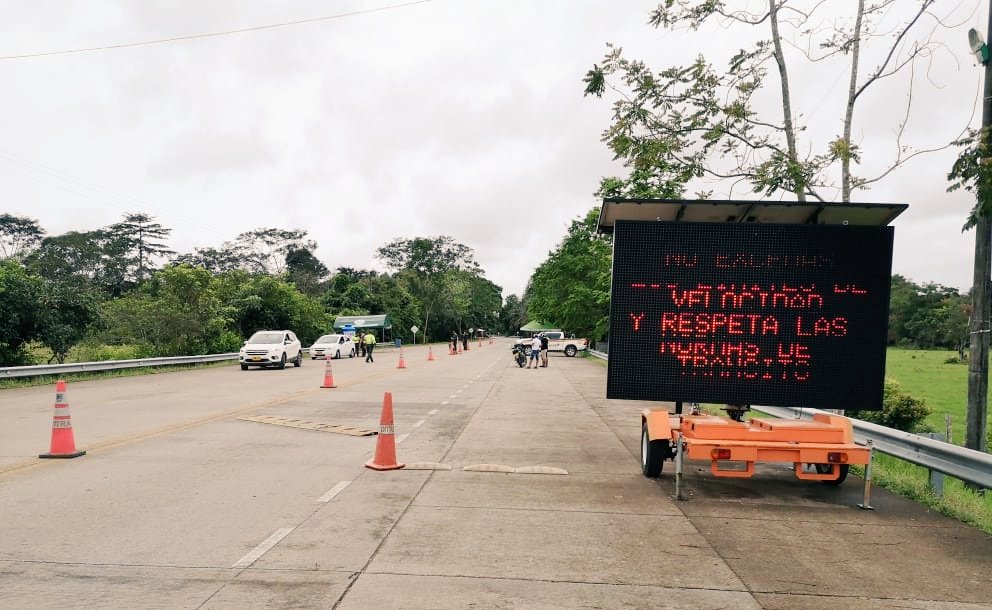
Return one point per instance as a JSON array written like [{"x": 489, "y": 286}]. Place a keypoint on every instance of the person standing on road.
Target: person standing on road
[
  {"x": 535, "y": 352},
  {"x": 544, "y": 350},
  {"x": 358, "y": 343},
  {"x": 454, "y": 342},
  {"x": 369, "y": 343}
]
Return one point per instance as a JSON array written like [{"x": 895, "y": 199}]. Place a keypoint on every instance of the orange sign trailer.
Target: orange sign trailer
[{"x": 819, "y": 450}]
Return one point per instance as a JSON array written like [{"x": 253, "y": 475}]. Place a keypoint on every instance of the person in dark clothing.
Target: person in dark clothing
[
  {"x": 544, "y": 350},
  {"x": 465, "y": 341}
]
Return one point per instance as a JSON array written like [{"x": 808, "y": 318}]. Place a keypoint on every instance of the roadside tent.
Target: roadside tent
[{"x": 377, "y": 324}]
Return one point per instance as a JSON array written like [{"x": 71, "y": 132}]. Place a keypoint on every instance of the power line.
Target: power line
[{"x": 214, "y": 34}]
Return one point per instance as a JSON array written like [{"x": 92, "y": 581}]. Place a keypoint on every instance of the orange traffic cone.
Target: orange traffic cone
[
  {"x": 459, "y": 348},
  {"x": 63, "y": 442},
  {"x": 480, "y": 341},
  {"x": 490, "y": 340},
  {"x": 451, "y": 350},
  {"x": 402, "y": 364},
  {"x": 328, "y": 374},
  {"x": 430, "y": 353},
  {"x": 385, "y": 446}
]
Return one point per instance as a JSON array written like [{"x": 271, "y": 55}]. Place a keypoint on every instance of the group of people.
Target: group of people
[
  {"x": 538, "y": 351},
  {"x": 453, "y": 342},
  {"x": 364, "y": 345}
]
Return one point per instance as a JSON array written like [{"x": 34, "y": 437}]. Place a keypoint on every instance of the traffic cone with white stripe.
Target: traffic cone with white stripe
[
  {"x": 328, "y": 374},
  {"x": 385, "y": 446},
  {"x": 430, "y": 353},
  {"x": 402, "y": 364},
  {"x": 63, "y": 443}
]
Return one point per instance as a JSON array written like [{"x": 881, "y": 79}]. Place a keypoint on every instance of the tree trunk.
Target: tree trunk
[
  {"x": 978, "y": 355},
  {"x": 790, "y": 132},
  {"x": 845, "y": 160}
]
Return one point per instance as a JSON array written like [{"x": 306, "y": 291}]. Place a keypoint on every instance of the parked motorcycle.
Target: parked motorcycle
[{"x": 520, "y": 353}]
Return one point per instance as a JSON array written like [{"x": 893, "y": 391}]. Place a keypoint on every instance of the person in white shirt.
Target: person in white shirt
[{"x": 535, "y": 352}]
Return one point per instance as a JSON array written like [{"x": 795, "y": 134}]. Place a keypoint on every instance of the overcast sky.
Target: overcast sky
[{"x": 445, "y": 117}]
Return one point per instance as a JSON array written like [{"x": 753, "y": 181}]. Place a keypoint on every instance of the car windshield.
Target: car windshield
[
  {"x": 266, "y": 338},
  {"x": 327, "y": 339}
]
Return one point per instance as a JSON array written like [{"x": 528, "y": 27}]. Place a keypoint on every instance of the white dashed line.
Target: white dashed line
[
  {"x": 402, "y": 438},
  {"x": 445, "y": 402},
  {"x": 333, "y": 492},
  {"x": 457, "y": 393},
  {"x": 453, "y": 395},
  {"x": 263, "y": 548},
  {"x": 432, "y": 412},
  {"x": 419, "y": 423}
]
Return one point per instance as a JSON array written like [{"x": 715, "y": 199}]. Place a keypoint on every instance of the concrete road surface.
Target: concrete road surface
[{"x": 180, "y": 503}]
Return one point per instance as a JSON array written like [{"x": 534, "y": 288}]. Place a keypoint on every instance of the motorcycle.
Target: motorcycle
[{"x": 520, "y": 353}]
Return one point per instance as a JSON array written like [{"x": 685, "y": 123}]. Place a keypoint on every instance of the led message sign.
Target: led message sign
[{"x": 764, "y": 314}]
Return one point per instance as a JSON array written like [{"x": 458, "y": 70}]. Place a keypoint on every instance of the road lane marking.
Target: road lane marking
[
  {"x": 445, "y": 402},
  {"x": 263, "y": 548},
  {"x": 333, "y": 492},
  {"x": 402, "y": 438},
  {"x": 420, "y": 422},
  {"x": 453, "y": 395},
  {"x": 432, "y": 412}
]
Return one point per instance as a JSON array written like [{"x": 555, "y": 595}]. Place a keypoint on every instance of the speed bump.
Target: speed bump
[{"x": 309, "y": 425}]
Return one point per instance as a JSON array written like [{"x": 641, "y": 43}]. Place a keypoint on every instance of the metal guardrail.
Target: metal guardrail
[
  {"x": 958, "y": 462},
  {"x": 108, "y": 365}
]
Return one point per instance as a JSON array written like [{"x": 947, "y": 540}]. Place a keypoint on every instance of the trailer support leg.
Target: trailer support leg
[
  {"x": 866, "y": 505},
  {"x": 679, "y": 463}
]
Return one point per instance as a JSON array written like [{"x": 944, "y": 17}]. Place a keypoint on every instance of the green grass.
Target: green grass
[
  {"x": 42, "y": 380},
  {"x": 923, "y": 374}
]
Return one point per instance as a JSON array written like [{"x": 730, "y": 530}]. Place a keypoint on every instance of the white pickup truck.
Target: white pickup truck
[{"x": 558, "y": 342}]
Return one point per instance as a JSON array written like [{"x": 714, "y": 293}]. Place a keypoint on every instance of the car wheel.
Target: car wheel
[
  {"x": 351, "y": 354},
  {"x": 337, "y": 355},
  {"x": 244, "y": 367},
  {"x": 570, "y": 350},
  {"x": 299, "y": 359},
  {"x": 282, "y": 361}
]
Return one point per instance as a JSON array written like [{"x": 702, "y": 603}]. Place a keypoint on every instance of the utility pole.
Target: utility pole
[{"x": 981, "y": 308}]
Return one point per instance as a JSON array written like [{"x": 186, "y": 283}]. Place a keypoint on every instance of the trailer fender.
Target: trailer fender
[{"x": 658, "y": 423}]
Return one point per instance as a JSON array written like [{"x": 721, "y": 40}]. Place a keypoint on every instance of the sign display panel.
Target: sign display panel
[{"x": 763, "y": 314}]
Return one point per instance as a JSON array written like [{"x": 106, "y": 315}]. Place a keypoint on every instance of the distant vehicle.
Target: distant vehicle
[
  {"x": 558, "y": 342},
  {"x": 335, "y": 346},
  {"x": 271, "y": 348}
]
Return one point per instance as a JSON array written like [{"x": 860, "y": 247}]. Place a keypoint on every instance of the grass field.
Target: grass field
[{"x": 923, "y": 374}]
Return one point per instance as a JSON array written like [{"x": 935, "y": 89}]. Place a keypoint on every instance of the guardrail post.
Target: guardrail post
[
  {"x": 936, "y": 479},
  {"x": 866, "y": 505},
  {"x": 679, "y": 465}
]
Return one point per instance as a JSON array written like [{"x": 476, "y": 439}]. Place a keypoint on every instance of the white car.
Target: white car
[
  {"x": 271, "y": 348},
  {"x": 335, "y": 346}
]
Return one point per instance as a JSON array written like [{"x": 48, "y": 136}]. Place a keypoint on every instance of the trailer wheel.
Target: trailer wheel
[
  {"x": 653, "y": 453},
  {"x": 825, "y": 468}
]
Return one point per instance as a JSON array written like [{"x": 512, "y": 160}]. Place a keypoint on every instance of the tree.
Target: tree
[
  {"x": 423, "y": 264},
  {"x": 176, "y": 313},
  {"x": 65, "y": 314},
  {"x": 76, "y": 258},
  {"x": 512, "y": 315},
  {"x": 18, "y": 312},
  {"x": 693, "y": 121},
  {"x": 571, "y": 289},
  {"x": 305, "y": 270},
  {"x": 18, "y": 236},
  {"x": 266, "y": 250},
  {"x": 136, "y": 240}
]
